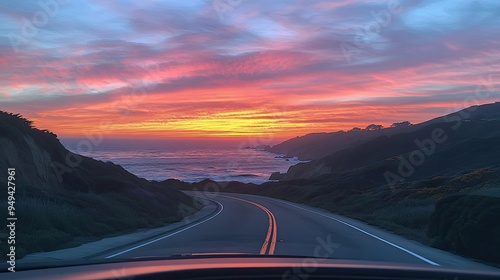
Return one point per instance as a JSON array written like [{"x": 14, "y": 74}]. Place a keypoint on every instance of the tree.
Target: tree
[
  {"x": 355, "y": 129},
  {"x": 401, "y": 124},
  {"x": 373, "y": 127}
]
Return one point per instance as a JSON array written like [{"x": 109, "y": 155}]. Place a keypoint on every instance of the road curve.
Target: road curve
[
  {"x": 260, "y": 225},
  {"x": 270, "y": 242}
]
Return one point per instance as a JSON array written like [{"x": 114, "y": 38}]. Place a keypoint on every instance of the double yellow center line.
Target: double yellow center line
[{"x": 272, "y": 232}]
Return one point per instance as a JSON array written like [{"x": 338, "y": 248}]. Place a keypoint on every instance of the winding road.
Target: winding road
[{"x": 260, "y": 225}]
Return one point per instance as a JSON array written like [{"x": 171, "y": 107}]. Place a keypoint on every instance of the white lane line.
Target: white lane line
[
  {"x": 367, "y": 233},
  {"x": 171, "y": 234}
]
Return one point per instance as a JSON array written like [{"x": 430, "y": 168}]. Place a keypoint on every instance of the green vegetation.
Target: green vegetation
[
  {"x": 395, "y": 178},
  {"x": 62, "y": 203},
  {"x": 449, "y": 199},
  {"x": 468, "y": 225},
  {"x": 419, "y": 210},
  {"x": 54, "y": 222}
]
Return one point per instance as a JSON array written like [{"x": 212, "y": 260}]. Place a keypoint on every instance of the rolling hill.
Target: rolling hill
[
  {"x": 437, "y": 182},
  {"x": 318, "y": 145},
  {"x": 65, "y": 199}
]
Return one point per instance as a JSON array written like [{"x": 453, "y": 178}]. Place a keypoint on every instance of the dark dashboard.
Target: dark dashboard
[{"x": 249, "y": 268}]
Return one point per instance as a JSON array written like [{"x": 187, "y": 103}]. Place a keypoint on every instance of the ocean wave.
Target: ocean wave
[
  {"x": 245, "y": 175},
  {"x": 195, "y": 165}
]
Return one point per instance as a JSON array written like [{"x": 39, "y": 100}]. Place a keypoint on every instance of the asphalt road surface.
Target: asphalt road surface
[{"x": 259, "y": 225}]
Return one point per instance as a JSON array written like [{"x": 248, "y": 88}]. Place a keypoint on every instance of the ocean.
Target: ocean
[{"x": 186, "y": 161}]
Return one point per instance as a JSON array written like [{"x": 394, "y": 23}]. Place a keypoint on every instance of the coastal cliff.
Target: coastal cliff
[
  {"x": 64, "y": 198},
  {"x": 467, "y": 140}
]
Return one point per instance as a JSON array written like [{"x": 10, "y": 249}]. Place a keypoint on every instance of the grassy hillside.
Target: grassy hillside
[
  {"x": 469, "y": 147},
  {"x": 468, "y": 224},
  {"x": 443, "y": 186},
  {"x": 61, "y": 202},
  {"x": 318, "y": 145},
  {"x": 418, "y": 210}
]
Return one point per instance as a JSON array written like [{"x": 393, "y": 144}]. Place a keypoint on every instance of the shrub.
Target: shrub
[{"x": 468, "y": 225}]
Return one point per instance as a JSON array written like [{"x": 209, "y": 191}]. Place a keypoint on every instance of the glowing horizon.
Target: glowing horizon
[{"x": 194, "y": 70}]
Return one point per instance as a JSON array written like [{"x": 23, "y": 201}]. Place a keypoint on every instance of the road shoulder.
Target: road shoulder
[
  {"x": 99, "y": 249},
  {"x": 442, "y": 258}
]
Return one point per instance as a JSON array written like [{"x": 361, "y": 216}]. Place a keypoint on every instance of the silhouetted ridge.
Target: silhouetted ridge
[{"x": 61, "y": 195}]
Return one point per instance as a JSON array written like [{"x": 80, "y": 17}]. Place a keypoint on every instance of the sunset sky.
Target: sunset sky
[{"x": 244, "y": 68}]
